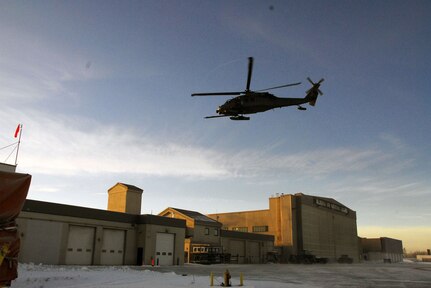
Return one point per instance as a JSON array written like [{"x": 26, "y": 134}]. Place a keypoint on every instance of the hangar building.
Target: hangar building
[{"x": 301, "y": 224}]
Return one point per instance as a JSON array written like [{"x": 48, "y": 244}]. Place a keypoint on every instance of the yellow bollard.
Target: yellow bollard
[
  {"x": 241, "y": 279},
  {"x": 211, "y": 279}
]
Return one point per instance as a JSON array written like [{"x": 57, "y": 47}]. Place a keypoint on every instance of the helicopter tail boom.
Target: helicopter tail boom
[{"x": 312, "y": 102}]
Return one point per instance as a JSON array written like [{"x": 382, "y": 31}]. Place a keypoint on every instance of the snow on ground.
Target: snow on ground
[
  {"x": 43, "y": 276},
  {"x": 410, "y": 274}
]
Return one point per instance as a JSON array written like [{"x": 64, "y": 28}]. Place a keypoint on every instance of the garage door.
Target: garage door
[
  {"x": 112, "y": 247},
  {"x": 80, "y": 245},
  {"x": 237, "y": 248},
  {"x": 253, "y": 252},
  {"x": 165, "y": 248}
]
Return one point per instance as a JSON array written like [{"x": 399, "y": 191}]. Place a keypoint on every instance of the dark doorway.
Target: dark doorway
[{"x": 140, "y": 256}]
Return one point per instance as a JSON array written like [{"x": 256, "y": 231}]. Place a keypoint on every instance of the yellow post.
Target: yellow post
[
  {"x": 241, "y": 279},
  {"x": 4, "y": 250},
  {"x": 211, "y": 279}
]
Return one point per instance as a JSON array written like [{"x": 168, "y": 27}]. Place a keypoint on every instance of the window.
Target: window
[
  {"x": 240, "y": 229},
  {"x": 207, "y": 231},
  {"x": 260, "y": 228},
  {"x": 215, "y": 232}
]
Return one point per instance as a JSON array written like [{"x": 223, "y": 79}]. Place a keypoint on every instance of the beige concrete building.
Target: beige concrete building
[
  {"x": 54, "y": 233},
  {"x": 206, "y": 243},
  {"x": 63, "y": 234},
  {"x": 202, "y": 236},
  {"x": 301, "y": 224},
  {"x": 426, "y": 257},
  {"x": 382, "y": 249},
  {"x": 125, "y": 198},
  {"x": 249, "y": 248}
]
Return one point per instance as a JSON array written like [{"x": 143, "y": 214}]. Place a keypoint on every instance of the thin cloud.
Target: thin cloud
[
  {"x": 413, "y": 237},
  {"x": 44, "y": 189},
  {"x": 59, "y": 145}
]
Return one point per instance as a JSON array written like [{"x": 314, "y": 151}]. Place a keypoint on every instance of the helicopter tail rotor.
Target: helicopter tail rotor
[
  {"x": 315, "y": 86},
  {"x": 314, "y": 91}
]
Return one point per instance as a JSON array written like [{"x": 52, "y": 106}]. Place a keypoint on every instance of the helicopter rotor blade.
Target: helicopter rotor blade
[
  {"x": 312, "y": 83},
  {"x": 216, "y": 116},
  {"x": 281, "y": 86},
  {"x": 217, "y": 94},
  {"x": 250, "y": 71}
]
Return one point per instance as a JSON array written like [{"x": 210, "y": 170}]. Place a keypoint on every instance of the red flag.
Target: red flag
[{"x": 17, "y": 130}]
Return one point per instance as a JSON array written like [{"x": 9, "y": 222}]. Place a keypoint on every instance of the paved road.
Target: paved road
[{"x": 318, "y": 275}]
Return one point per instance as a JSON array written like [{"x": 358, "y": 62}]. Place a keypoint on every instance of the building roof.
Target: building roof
[
  {"x": 97, "y": 214},
  {"x": 196, "y": 216},
  {"x": 130, "y": 187}
]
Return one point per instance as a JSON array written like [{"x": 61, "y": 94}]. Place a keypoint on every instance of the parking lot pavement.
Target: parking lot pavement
[{"x": 317, "y": 275}]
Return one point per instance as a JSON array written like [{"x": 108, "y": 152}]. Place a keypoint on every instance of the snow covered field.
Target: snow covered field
[{"x": 265, "y": 275}]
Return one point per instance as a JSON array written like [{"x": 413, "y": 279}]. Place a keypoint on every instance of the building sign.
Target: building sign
[{"x": 332, "y": 206}]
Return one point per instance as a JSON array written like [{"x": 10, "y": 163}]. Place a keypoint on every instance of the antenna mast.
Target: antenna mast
[{"x": 18, "y": 129}]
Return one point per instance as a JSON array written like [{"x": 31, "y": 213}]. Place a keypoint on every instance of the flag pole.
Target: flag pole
[{"x": 19, "y": 142}]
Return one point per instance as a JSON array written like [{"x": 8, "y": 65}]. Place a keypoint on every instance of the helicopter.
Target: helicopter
[{"x": 250, "y": 102}]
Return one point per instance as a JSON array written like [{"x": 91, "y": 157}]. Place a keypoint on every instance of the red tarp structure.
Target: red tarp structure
[{"x": 13, "y": 192}]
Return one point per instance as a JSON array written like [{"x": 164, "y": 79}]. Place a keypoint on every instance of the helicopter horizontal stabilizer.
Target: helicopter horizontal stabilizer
[{"x": 239, "y": 117}]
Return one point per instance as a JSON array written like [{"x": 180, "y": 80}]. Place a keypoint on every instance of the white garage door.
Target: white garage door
[
  {"x": 80, "y": 245},
  {"x": 236, "y": 250},
  {"x": 165, "y": 249},
  {"x": 112, "y": 247},
  {"x": 253, "y": 252}
]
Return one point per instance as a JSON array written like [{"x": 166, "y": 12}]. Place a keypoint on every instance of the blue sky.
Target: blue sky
[{"x": 103, "y": 91}]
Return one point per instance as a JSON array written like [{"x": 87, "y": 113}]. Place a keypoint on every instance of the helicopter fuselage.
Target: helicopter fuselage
[{"x": 256, "y": 102}]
